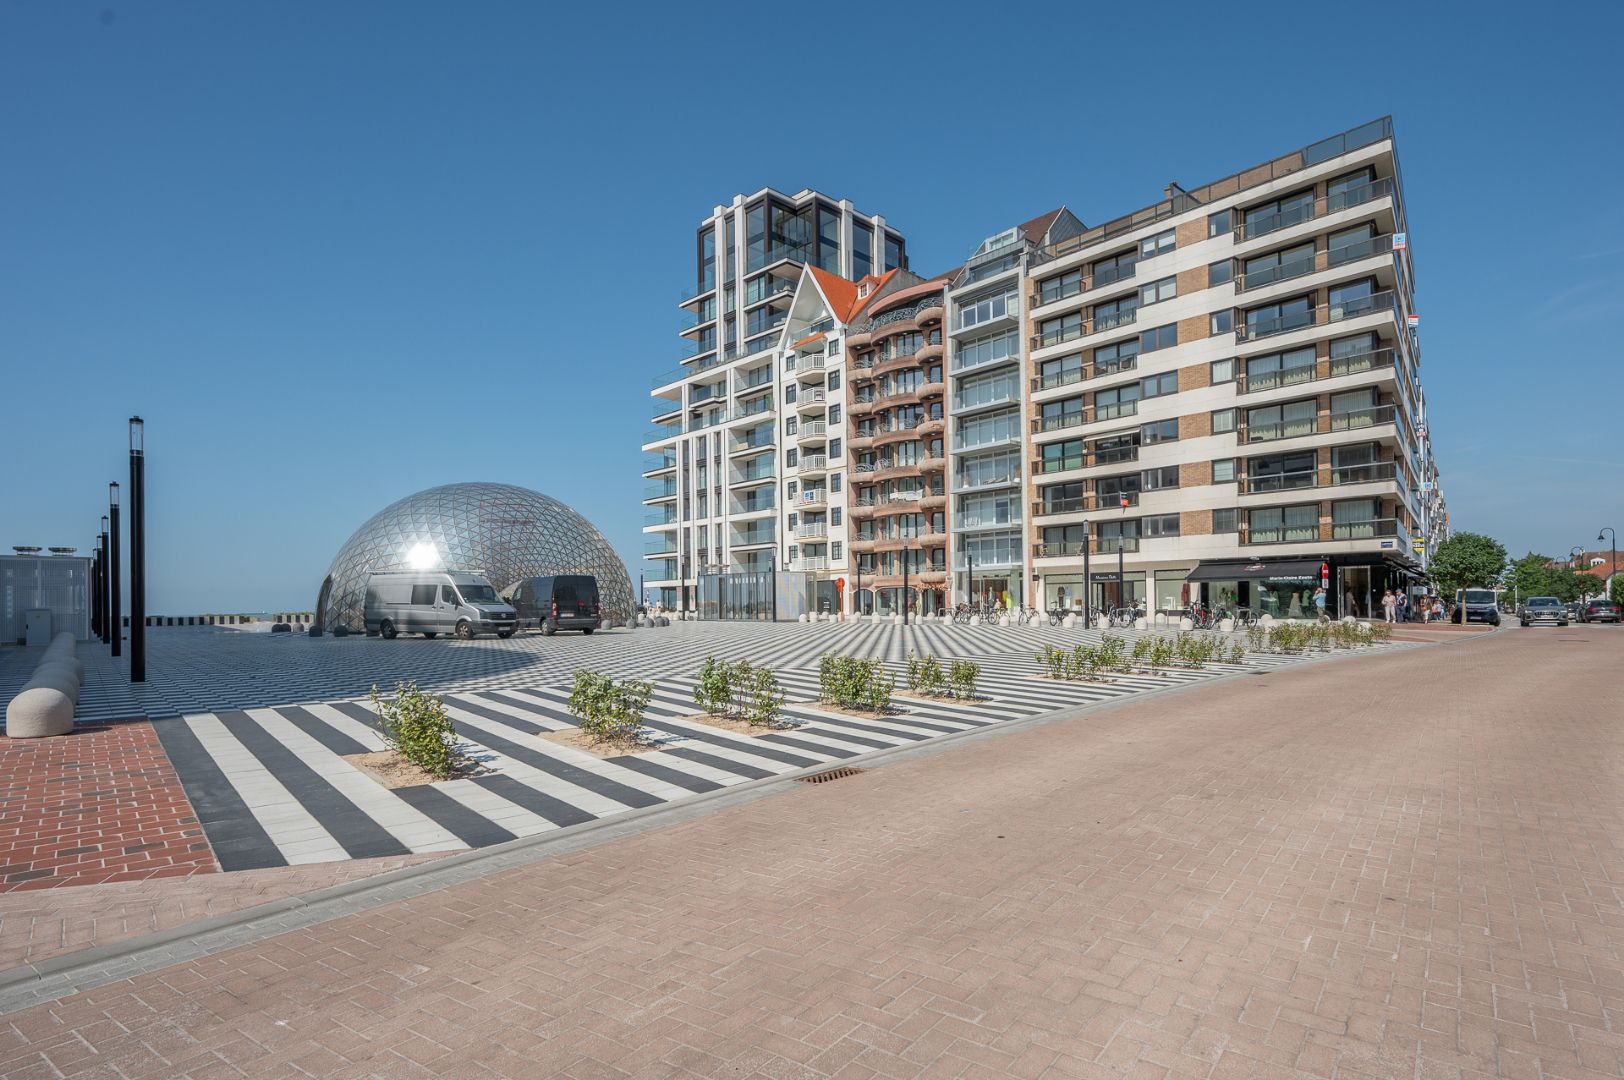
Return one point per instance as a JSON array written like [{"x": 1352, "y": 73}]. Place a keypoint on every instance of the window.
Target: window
[
  {"x": 1054, "y": 331},
  {"x": 836, "y": 550},
  {"x": 1348, "y": 190},
  {"x": 448, "y": 595},
  {"x": 1160, "y": 479},
  {"x": 1221, "y": 222},
  {"x": 1115, "y": 313},
  {"x": 1164, "y": 525},
  {"x": 1223, "y": 420},
  {"x": 789, "y": 394},
  {"x": 1352, "y": 299},
  {"x": 1280, "y": 472},
  {"x": 790, "y": 458},
  {"x": 423, "y": 595},
  {"x": 834, "y": 415},
  {"x": 829, "y": 239},
  {"x": 1062, "y": 414},
  {"x": 1061, "y": 498},
  {"x": 1226, "y": 520},
  {"x": 1159, "y": 432},
  {"x": 1223, "y": 371},
  {"x": 1280, "y": 369},
  {"x": 1280, "y": 265},
  {"x": 1057, "y": 372},
  {"x": 793, "y": 519},
  {"x": 1351, "y": 244},
  {"x": 1223, "y": 471},
  {"x": 834, "y": 515},
  {"x": 1287, "y": 421},
  {"x": 1278, "y": 318},
  {"x": 987, "y": 350},
  {"x": 1279, "y": 214},
  {"x": 1157, "y": 291},
  {"x": 834, "y": 380},
  {"x": 1159, "y": 385},
  {"x": 1222, "y": 322},
  {"x": 1355, "y": 519},
  {"x": 987, "y": 308},
  {"x": 1118, "y": 401},
  {"x": 834, "y": 449},
  {"x": 1159, "y": 244},
  {"x": 1067, "y": 454},
  {"x": 1162, "y": 337},
  {"x": 1065, "y": 539},
  {"x": 862, "y": 250},
  {"x": 791, "y": 426},
  {"x": 1058, "y": 288},
  {"x": 834, "y": 481},
  {"x": 1283, "y": 524},
  {"x": 1110, "y": 359},
  {"x": 1115, "y": 268},
  {"x": 893, "y": 252}
]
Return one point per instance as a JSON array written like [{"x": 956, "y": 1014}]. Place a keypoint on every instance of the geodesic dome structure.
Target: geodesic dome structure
[{"x": 504, "y": 532}]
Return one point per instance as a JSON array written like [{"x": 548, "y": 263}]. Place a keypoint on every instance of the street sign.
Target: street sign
[
  {"x": 1401, "y": 241},
  {"x": 1413, "y": 321},
  {"x": 1420, "y": 545}
]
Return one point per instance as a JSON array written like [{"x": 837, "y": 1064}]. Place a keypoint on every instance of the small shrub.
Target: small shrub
[
  {"x": 609, "y": 711},
  {"x": 713, "y": 693},
  {"x": 1381, "y": 632},
  {"x": 766, "y": 698},
  {"x": 962, "y": 676},
  {"x": 851, "y": 683},
  {"x": 1237, "y": 653},
  {"x": 1055, "y": 660},
  {"x": 416, "y": 725},
  {"x": 1113, "y": 653}
]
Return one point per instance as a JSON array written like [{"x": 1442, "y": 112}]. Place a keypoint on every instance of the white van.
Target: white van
[{"x": 435, "y": 602}]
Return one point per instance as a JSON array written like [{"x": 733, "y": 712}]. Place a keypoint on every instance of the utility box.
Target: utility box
[{"x": 37, "y": 622}]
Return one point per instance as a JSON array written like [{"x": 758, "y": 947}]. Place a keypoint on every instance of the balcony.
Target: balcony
[
  {"x": 1285, "y": 481},
  {"x": 810, "y": 368},
  {"x": 811, "y": 401},
  {"x": 1086, "y": 503},
  {"x": 750, "y": 476},
  {"x": 1061, "y": 422},
  {"x": 812, "y": 497},
  {"x": 810, "y": 563},
  {"x": 1375, "y": 473},
  {"x": 1096, "y": 325},
  {"x": 659, "y": 464},
  {"x": 1280, "y": 429},
  {"x": 1270, "y": 326},
  {"x": 1248, "y": 383},
  {"x": 1314, "y": 263},
  {"x": 754, "y": 380},
  {"x": 667, "y": 490},
  {"x": 1319, "y": 208},
  {"x": 812, "y": 465},
  {"x": 664, "y": 516},
  {"x": 1003, "y": 392},
  {"x": 1374, "y": 529},
  {"x": 974, "y": 522},
  {"x": 812, "y": 431},
  {"x": 1355, "y": 419},
  {"x": 1115, "y": 456},
  {"x": 1280, "y": 534},
  {"x": 753, "y": 506},
  {"x": 654, "y": 549},
  {"x": 809, "y": 532}
]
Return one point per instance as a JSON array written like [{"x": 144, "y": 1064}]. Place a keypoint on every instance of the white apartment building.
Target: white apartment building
[{"x": 718, "y": 453}]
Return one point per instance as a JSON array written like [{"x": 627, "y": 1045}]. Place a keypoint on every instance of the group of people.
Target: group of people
[{"x": 1398, "y": 607}]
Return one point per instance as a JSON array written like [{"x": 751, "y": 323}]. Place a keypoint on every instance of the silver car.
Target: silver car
[{"x": 1544, "y": 609}]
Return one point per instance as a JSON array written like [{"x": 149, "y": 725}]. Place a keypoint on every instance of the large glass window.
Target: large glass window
[
  {"x": 1278, "y": 318},
  {"x": 1354, "y": 519},
  {"x": 1061, "y": 414},
  {"x": 987, "y": 350},
  {"x": 1279, "y": 214},
  {"x": 1279, "y": 472},
  {"x": 862, "y": 250},
  {"x": 1280, "y": 369},
  {"x": 755, "y": 238},
  {"x": 1115, "y": 312},
  {"x": 986, "y": 469},
  {"x": 1066, "y": 327},
  {"x": 1159, "y": 337},
  {"x": 1157, "y": 291},
  {"x": 1288, "y": 421},
  {"x": 1117, "y": 401},
  {"x": 1058, "y": 288},
  {"x": 987, "y": 308},
  {"x": 1279, "y": 265},
  {"x": 1348, "y": 190},
  {"x": 991, "y": 428},
  {"x": 1159, "y": 244},
  {"x": 1282, "y": 524},
  {"x": 707, "y": 260},
  {"x": 1066, "y": 454},
  {"x": 1115, "y": 268},
  {"x": 1349, "y": 245},
  {"x": 1060, "y": 371},
  {"x": 1110, "y": 359},
  {"x": 829, "y": 239},
  {"x": 986, "y": 389},
  {"x": 893, "y": 253},
  {"x": 1063, "y": 498}
]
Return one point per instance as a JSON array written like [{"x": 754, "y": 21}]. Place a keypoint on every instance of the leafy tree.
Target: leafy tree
[
  {"x": 1466, "y": 561},
  {"x": 1587, "y": 584},
  {"x": 1528, "y": 576},
  {"x": 1618, "y": 588}
]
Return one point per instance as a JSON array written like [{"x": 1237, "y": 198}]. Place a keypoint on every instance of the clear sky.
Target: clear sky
[{"x": 338, "y": 252}]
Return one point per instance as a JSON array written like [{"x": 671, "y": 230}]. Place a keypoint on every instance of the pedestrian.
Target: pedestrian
[
  {"x": 1349, "y": 610},
  {"x": 1389, "y": 605},
  {"x": 1319, "y": 604}
]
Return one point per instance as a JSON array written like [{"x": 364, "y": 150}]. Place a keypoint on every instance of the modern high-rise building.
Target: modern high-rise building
[{"x": 1214, "y": 399}]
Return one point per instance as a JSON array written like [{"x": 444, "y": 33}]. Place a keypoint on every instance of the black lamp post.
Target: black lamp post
[
  {"x": 1612, "y": 567},
  {"x": 857, "y": 592},
  {"x": 138, "y": 551},
  {"x": 101, "y": 582},
  {"x": 970, "y": 577},
  {"x": 904, "y": 583},
  {"x": 115, "y": 597},
  {"x": 1575, "y": 551},
  {"x": 1088, "y": 576}
]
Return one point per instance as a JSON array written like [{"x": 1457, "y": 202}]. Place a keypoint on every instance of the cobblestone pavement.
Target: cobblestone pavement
[{"x": 1406, "y": 866}]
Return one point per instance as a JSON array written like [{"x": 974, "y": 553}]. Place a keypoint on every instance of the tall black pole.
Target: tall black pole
[
  {"x": 857, "y": 593},
  {"x": 1122, "y": 578},
  {"x": 904, "y": 584},
  {"x": 115, "y": 588},
  {"x": 970, "y": 577},
  {"x": 138, "y": 552},
  {"x": 1088, "y": 590},
  {"x": 1612, "y": 568},
  {"x": 95, "y": 589}
]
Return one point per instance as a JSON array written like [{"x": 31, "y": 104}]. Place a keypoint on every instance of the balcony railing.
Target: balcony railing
[
  {"x": 1284, "y": 481},
  {"x": 813, "y": 429},
  {"x": 1302, "y": 212},
  {"x": 1257, "y": 176},
  {"x": 1086, "y": 502},
  {"x": 1281, "y": 429},
  {"x": 1374, "y": 473},
  {"x": 1101, "y": 545},
  {"x": 810, "y": 463},
  {"x": 1351, "y": 308},
  {"x": 811, "y": 497},
  {"x": 803, "y": 532},
  {"x": 1314, "y": 262},
  {"x": 1362, "y": 418},
  {"x": 659, "y": 463},
  {"x": 750, "y": 476},
  {"x": 986, "y": 521},
  {"x": 1367, "y": 530},
  {"x": 1280, "y": 534},
  {"x": 1060, "y": 422},
  {"x": 753, "y": 506},
  {"x": 656, "y": 517},
  {"x": 660, "y": 491},
  {"x": 760, "y": 377},
  {"x": 1096, "y": 325},
  {"x": 1089, "y": 460},
  {"x": 1249, "y": 383}
]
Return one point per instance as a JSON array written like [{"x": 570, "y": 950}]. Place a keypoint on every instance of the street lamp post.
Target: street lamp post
[
  {"x": 115, "y": 599},
  {"x": 905, "y": 584},
  {"x": 96, "y": 586},
  {"x": 138, "y": 551},
  {"x": 1612, "y": 567},
  {"x": 857, "y": 592},
  {"x": 1088, "y": 589}
]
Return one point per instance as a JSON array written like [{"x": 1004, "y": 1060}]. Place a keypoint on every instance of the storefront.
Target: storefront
[
  {"x": 1113, "y": 590},
  {"x": 1283, "y": 588},
  {"x": 1172, "y": 591}
]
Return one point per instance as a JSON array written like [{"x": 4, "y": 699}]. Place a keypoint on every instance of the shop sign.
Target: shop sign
[
  {"x": 1112, "y": 576},
  {"x": 1400, "y": 241}
]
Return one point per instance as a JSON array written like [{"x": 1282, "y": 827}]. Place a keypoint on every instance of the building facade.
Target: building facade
[{"x": 1212, "y": 400}]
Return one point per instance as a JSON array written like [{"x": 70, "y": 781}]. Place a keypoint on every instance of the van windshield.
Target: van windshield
[
  {"x": 478, "y": 594},
  {"x": 1478, "y": 596}
]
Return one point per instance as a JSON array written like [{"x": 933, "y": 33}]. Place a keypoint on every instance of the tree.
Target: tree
[
  {"x": 1466, "y": 561},
  {"x": 1585, "y": 584},
  {"x": 1618, "y": 589},
  {"x": 1530, "y": 575}
]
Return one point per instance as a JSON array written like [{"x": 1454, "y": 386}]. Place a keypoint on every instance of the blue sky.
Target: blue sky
[{"x": 336, "y": 253}]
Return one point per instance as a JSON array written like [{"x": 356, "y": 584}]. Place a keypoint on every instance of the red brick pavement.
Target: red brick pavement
[
  {"x": 1402, "y": 866},
  {"x": 100, "y": 805}
]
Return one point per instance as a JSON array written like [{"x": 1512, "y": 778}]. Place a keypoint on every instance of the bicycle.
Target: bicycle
[{"x": 1123, "y": 618}]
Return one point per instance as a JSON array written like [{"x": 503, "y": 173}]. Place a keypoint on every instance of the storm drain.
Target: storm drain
[{"x": 831, "y": 774}]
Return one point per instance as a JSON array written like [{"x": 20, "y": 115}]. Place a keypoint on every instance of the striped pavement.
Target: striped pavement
[{"x": 271, "y": 786}]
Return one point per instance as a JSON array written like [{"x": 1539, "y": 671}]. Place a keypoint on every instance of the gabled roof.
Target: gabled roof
[
  {"x": 876, "y": 285},
  {"x": 840, "y": 293},
  {"x": 1036, "y": 229}
]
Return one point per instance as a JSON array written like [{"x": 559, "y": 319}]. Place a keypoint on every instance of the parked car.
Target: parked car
[
  {"x": 1476, "y": 605},
  {"x": 1575, "y": 609},
  {"x": 1544, "y": 609},
  {"x": 563, "y": 602},
  {"x": 1601, "y": 611},
  {"x": 435, "y": 602}
]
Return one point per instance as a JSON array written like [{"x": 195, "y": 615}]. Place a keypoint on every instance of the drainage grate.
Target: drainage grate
[{"x": 832, "y": 774}]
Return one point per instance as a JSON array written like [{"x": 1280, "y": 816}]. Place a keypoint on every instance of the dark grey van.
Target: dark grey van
[{"x": 551, "y": 604}]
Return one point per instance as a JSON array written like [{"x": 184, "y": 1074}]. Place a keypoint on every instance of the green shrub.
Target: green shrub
[
  {"x": 1381, "y": 631},
  {"x": 1055, "y": 660},
  {"x": 852, "y": 683},
  {"x": 609, "y": 710},
  {"x": 1237, "y": 653},
  {"x": 416, "y": 725},
  {"x": 962, "y": 676},
  {"x": 713, "y": 693},
  {"x": 1113, "y": 653},
  {"x": 766, "y": 698}
]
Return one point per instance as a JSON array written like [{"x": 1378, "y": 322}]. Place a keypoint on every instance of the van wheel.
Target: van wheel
[
  {"x": 431, "y": 633},
  {"x": 386, "y": 630},
  {"x": 548, "y": 627},
  {"x": 504, "y": 633},
  {"x": 465, "y": 631},
  {"x": 588, "y": 633}
]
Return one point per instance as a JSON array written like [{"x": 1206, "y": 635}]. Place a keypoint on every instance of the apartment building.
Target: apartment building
[
  {"x": 718, "y": 455},
  {"x": 1226, "y": 392},
  {"x": 1214, "y": 399}
]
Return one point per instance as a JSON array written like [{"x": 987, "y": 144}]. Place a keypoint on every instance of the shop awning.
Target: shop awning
[{"x": 1284, "y": 571}]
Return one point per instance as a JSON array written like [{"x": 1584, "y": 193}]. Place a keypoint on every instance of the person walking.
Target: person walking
[
  {"x": 1319, "y": 605},
  {"x": 1350, "y": 609},
  {"x": 1389, "y": 605}
]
